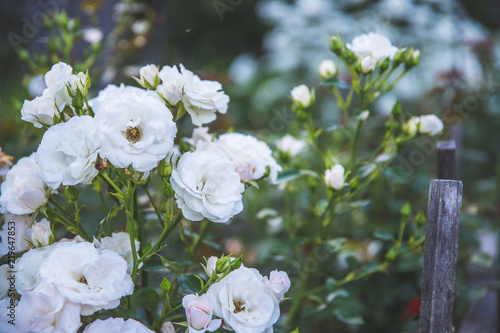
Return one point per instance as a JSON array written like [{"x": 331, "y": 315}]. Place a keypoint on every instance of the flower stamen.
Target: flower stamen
[
  {"x": 133, "y": 134},
  {"x": 238, "y": 307}
]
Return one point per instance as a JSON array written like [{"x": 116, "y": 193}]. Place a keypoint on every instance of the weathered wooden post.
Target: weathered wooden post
[
  {"x": 446, "y": 160},
  {"x": 440, "y": 256}
]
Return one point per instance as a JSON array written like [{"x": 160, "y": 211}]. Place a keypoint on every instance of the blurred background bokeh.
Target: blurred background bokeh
[{"x": 259, "y": 50}]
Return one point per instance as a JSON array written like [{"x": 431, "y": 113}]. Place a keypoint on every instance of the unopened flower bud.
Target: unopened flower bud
[
  {"x": 336, "y": 44},
  {"x": 384, "y": 64},
  {"x": 149, "y": 76},
  {"x": 327, "y": 69},
  {"x": 367, "y": 64},
  {"x": 302, "y": 96},
  {"x": 348, "y": 55},
  {"x": 400, "y": 56},
  {"x": 164, "y": 168}
]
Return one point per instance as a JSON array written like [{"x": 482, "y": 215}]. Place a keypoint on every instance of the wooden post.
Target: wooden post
[
  {"x": 440, "y": 256},
  {"x": 446, "y": 159}
]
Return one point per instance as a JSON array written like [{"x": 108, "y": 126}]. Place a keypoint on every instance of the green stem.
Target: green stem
[
  {"x": 354, "y": 143},
  {"x": 155, "y": 207},
  {"x": 297, "y": 301},
  {"x": 166, "y": 231},
  {"x": 199, "y": 238}
]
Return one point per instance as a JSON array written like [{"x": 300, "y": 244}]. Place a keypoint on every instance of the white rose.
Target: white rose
[
  {"x": 327, "y": 69},
  {"x": 56, "y": 80},
  {"x": 289, "y": 145},
  {"x": 430, "y": 124},
  {"x": 367, "y": 64},
  {"x": 250, "y": 156},
  {"x": 202, "y": 98},
  {"x": 200, "y": 139},
  {"x": 199, "y": 312},
  {"x": 87, "y": 276},
  {"x": 206, "y": 185},
  {"x": 45, "y": 310},
  {"x": 23, "y": 191},
  {"x": 334, "y": 177},
  {"x": 244, "y": 302},
  {"x": 411, "y": 126},
  {"x": 167, "y": 327},
  {"x": 119, "y": 242},
  {"x": 68, "y": 152},
  {"x": 211, "y": 265},
  {"x": 172, "y": 83},
  {"x": 92, "y": 35},
  {"x": 116, "y": 325},
  {"x": 302, "y": 96},
  {"x": 137, "y": 128},
  {"x": 40, "y": 233},
  {"x": 14, "y": 233},
  {"x": 28, "y": 265},
  {"x": 375, "y": 45},
  {"x": 39, "y": 111},
  {"x": 279, "y": 282},
  {"x": 149, "y": 74}
]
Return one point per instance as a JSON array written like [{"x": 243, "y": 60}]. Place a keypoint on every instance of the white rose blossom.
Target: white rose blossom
[
  {"x": 430, "y": 124},
  {"x": 302, "y": 96},
  {"x": 251, "y": 157},
  {"x": 206, "y": 185},
  {"x": 40, "y": 233},
  {"x": 117, "y": 325},
  {"x": 427, "y": 124},
  {"x": 167, "y": 327},
  {"x": 119, "y": 242},
  {"x": 211, "y": 265},
  {"x": 40, "y": 110},
  {"x": 15, "y": 233},
  {"x": 327, "y": 69},
  {"x": 172, "y": 83},
  {"x": 201, "y": 139},
  {"x": 375, "y": 45},
  {"x": 68, "y": 152},
  {"x": 95, "y": 279},
  {"x": 279, "y": 282},
  {"x": 149, "y": 75},
  {"x": 137, "y": 128},
  {"x": 289, "y": 145},
  {"x": 202, "y": 98},
  {"x": 334, "y": 177},
  {"x": 45, "y": 310},
  {"x": 28, "y": 266},
  {"x": 244, "y": 302},
  {"x": 23, "y": 191},
  {"x": 367, "y": 64},
  {"x": 199, "y": 313},
  {"x": 55, "y": 97}
]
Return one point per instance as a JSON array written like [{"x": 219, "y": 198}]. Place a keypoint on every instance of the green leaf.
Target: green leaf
[
  {"x": 383, "y": 235},
  {"x": 394, "y": 177},
  {"x": 190, "y": 283},
  {"x": 367, "y": 170},
  {"x": 335, "y": 245},
  {"x": 146, "y": 298},
  {"x": 123, "y": 312},
  {"x": 348, "y": 317},
  {"x": 295, "y": 330},
  {"x": 341, "y": 293},
  {"x": 171, "y": 265},
  {"x": 291, "y": 174},
  {"x": 333, "y": 81}
]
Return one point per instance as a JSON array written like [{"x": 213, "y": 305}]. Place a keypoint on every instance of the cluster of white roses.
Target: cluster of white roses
[
  {"x": 208, "y": 181},
  {"x": 129, "y": 128},
  {"x": 60, "y": 282},
  {"x": 243, "y": 300}
]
